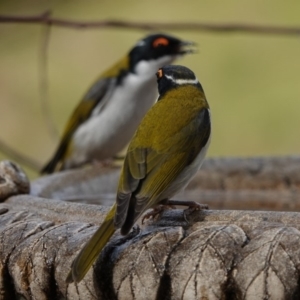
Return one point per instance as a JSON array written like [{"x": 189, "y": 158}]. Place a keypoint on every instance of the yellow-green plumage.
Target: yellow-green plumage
[
  {"x": 165, "y": 152},
  {"x": 167, "y": 140},
  {"x": 92, "y": 248}
]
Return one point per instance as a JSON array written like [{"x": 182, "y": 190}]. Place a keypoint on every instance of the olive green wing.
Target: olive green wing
[
  {"x": 97, "y": 94},
  {"x": 147, "y": 172}
]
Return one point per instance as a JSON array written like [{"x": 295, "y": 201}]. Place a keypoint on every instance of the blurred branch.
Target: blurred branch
[
  {"x": 45, "y": 18},
  {"x": 43, "y": 83},
  {"x": 20, "y": 158}
]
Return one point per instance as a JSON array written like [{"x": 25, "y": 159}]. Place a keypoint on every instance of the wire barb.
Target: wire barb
[{"x": 45, "y": 18}]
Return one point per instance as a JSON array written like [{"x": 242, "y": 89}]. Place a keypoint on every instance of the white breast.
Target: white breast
[{"x": 107, "y": 133}]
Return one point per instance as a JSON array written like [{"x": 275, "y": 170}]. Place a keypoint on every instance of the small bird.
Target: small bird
[
  {"x": 108, "y": 115},
  {"x": 166, "y": 151}
]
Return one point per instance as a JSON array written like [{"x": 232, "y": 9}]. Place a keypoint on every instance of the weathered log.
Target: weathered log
[
  {"x": 276, "y": 173},
  {"x": 227, "y": 183},
  {"x": 13, "y": 180},
  {"x": 213, "y": 254},
  {"x": 198, "y": 255}
]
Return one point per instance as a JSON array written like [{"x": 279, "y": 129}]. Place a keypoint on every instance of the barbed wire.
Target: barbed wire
[{"x": 45, "y": 18}]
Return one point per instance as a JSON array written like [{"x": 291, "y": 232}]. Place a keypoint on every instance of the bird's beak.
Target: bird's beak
[{"x": 186, "y": 47}]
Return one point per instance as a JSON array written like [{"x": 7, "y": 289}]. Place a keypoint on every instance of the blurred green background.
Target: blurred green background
[{"x": 251, "y": 80}]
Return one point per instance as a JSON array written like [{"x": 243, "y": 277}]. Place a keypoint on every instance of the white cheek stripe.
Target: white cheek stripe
[
  {"x": 182, "y": 81},
  {"x": 140, "y": 43}
]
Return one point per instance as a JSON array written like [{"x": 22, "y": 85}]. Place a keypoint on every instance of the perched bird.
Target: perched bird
[
  {"x": 166, "y": 151},
  {"x": 107, "y": 117}
]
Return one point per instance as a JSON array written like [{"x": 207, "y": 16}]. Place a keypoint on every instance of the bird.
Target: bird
[
  {"x": 105, "y": 120},
  {"x": 165, "y": 152}
]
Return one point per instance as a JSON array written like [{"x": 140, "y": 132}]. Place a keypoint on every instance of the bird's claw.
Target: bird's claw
[
  {"x": 193, "y": 206},
  {"x": 154, "y": 212},
  {"x": 197, "y": 206}
]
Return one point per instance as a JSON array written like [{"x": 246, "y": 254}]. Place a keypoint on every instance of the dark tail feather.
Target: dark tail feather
[
  {"x": 52, "y": 165},
  {"x": 92, "y": 248},
  {"x": 135, "y": 209}
]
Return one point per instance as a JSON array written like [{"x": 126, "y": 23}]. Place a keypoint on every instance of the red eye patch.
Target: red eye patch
[{"x": 160, "y": 42}]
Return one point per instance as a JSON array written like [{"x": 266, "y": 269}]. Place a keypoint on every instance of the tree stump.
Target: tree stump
[{"x": 213, "y": 254}]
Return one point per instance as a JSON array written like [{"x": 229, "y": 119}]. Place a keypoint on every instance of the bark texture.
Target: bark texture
[
  {"x": 269, "y": 183},
  {"x": 213, "y": 254}
]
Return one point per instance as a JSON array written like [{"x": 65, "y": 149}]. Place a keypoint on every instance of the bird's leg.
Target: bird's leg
[
  {"x": 157, "y": 210},
  {"x": 193, "y": 205},
  {"x": 167, "y": 203}
]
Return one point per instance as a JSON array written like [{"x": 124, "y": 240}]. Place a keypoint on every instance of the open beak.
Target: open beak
[{"x": 186, "y": 47}]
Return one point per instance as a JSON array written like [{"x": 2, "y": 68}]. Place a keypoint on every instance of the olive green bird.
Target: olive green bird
[
  {"x": 105, "y": 120},
  {"x": 166, "y": 151}
]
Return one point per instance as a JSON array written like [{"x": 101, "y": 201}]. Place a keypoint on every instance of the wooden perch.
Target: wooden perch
[
  {"x": 213, "y": 254},
  {"x": 227, "y": 183}
]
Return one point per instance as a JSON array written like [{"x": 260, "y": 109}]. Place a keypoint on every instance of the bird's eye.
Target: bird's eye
[
  {"x": 160, "y": 42},
  {"x": 159, "y": 74}
]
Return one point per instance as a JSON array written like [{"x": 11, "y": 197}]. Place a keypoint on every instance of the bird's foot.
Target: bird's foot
[
  {"x": 156, "y": 211},
  {"x": 192, "y": 205}
]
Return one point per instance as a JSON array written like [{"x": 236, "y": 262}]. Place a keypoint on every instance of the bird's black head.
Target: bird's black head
[
  {"x": 156, "y": 46},
  {"x": 173, "y": 76}
]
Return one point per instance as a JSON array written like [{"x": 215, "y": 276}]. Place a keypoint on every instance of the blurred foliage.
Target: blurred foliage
[{"x": 251, "y": 81}]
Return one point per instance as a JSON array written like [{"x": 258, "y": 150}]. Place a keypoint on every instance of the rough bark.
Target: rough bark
[
  {"x": 213, "y": 254},
  {"x": 270, "y": 183},
  {"x": 13, "y": 180}
]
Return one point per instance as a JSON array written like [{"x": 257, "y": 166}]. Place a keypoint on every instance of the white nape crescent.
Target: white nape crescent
[
  {"x": 140, "y": 43},
  {"x": 182, "y": 81}
]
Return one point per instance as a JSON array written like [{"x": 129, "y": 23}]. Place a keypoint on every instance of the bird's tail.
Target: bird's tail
[
  {"x": 92, "y": 248},
  {"x": 50, "y": 167},
  {"x": 57, "y": 159}
]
